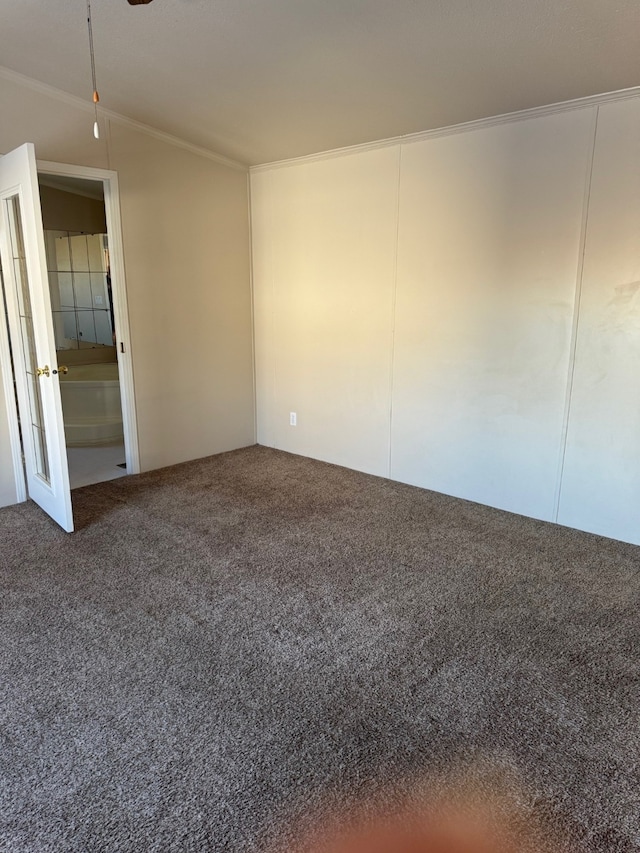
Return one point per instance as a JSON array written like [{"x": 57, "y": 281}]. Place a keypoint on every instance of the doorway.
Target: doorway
[
  {"x": 77, "y": 249},
  {"x": 94, "y": 194}
]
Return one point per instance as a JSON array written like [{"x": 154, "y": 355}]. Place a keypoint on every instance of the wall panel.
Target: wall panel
[
  {"x": 489, "y": 240},
  {"x": 324, "y": 266},
  {"x": 601, "y": 481},
  {"x": 263, "y": 306},
  {"x": 185, "y": 228}
]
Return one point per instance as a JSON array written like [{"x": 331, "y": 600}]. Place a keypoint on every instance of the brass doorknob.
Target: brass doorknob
[
  {"x": 62, "y": 368},
  {"x": 43, "y": 371}
]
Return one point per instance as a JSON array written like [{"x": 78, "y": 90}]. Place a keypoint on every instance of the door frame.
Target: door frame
[
  {"x": 109, "y": 180},
  {"x": 7, "y": 367}
]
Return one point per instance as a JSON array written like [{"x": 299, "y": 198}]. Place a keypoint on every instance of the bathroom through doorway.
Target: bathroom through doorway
[{"x": 80, "y": 277}]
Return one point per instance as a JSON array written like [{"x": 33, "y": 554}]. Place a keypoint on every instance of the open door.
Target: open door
[{"x": 35, "y": 363}]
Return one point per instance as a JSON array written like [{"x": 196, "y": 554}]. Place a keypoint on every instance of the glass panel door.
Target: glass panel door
[
  {"x": 32, "y": 340},
  {"x": 34, "y": 429}
]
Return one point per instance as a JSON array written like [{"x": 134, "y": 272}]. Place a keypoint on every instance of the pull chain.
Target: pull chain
[{"x": 96, "y": 96}]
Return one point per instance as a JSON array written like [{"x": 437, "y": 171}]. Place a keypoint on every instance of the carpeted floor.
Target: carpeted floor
[{"x": 229, "y": 646}]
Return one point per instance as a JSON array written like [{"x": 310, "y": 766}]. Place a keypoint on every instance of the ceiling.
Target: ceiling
[{"x": 264, "y": 80}]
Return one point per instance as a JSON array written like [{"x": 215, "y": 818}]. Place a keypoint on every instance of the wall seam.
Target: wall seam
[
  {"x": 253, "y": 313},
  {"x": 272, "y": 330},
  {"x": 394, "y": 292},
  {"x": 577, "y": 303}
]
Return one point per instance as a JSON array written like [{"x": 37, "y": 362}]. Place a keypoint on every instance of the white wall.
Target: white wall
[
  {"x": 324, "y": 266},
  {"x": 601, "y": 482},
  {"x": 489, "y": 240},
  {"x": 416, "y": 305},
  {"x": 185, "y": 223},
  {"x": 186, "y": 246}
]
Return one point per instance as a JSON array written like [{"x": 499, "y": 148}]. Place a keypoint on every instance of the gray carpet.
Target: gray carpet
[{"x": 229, "y": 647}]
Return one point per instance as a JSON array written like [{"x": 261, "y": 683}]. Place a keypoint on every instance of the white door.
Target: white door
[{"x": 32, "y": 340}]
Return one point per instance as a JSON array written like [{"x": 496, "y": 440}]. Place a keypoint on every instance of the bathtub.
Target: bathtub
[{"x": 91, "y": 405}]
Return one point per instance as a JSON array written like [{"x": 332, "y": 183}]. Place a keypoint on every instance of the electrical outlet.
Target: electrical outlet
[{"x": 293, "y": 419}]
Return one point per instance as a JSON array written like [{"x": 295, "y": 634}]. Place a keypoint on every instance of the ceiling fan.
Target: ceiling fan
[{"x": 138, "y": 2}]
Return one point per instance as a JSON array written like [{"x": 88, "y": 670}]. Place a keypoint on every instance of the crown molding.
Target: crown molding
[
  {"x": 463, "y": 127},
  {"x": 87, "y": 106},
  {"x": 448, "y": 130}
]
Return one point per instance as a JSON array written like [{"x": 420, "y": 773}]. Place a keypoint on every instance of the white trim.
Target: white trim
[
  {"x": 174, "y": 140},
  {"x": 449, "y": 130},
  {"x": 6, "y": 368},
  {"x": 118, "y": 287},
  {"x": 121, "y": 314},
  {"x": 170, "y": 139},
  {"x": 68, "y": 170},
  {"x": 87, "y": 106}
]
